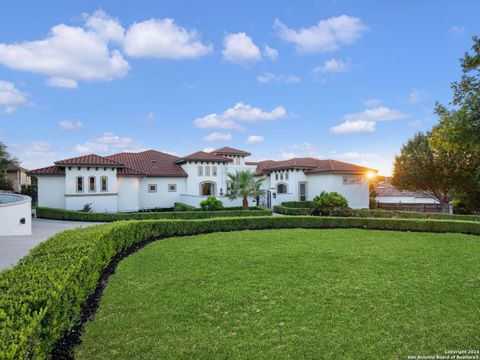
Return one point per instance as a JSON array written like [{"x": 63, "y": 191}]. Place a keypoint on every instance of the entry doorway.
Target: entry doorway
[{"x": 207, "y": 188}]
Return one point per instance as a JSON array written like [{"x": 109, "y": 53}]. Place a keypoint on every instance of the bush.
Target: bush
[
  {"x": 211, "y": 203},
  {"x": 282, "y": 209},
  {"x": 329, "y": 203},
  {"x": 178, "y": 206},
  {"x": 299, "y": 204},
  {"x": 41, "y": 297},
  {"x": 60, "y": 214}
]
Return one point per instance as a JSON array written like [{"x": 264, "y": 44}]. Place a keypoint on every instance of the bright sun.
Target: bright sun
[{"x": 371, "y": 175}]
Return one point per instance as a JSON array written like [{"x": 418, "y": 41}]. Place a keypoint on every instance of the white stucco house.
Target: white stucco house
[{"x": 151, "y": 179}]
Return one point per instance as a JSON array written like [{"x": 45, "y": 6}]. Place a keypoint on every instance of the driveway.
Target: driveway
[{"x": 12, "y": 248}]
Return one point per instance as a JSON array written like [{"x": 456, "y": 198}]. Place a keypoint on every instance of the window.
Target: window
[
  {"x": 172, "y": 187},
  {"x": 276, "y": 176},
  {"x": 200, "y": 171},
  {"x": 281, "y": 189},
  {"x": 281, "y": 176},
  {"x": 207, "y": 170},
  {"x": 79, "y": 183},
  {"x": 104, "y": 183},
  {"x": 237, "y": 161},
  {"x": 352, "y": 180},
  {"x": 92, "y": 184},
  {"x": 152, "y": 188},
  {"x": 214, "y": 171},
  {"x": 286, "y": 175}
]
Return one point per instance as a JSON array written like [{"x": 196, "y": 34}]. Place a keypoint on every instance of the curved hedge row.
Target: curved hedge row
[
  {"x": 41, "y": 297},
  {"x": 61, "y": 214}
]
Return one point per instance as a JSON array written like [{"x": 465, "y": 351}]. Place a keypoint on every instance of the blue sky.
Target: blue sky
[{"x": 338, "y": 79}]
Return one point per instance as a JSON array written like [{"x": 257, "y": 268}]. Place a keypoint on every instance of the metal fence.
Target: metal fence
[{"x": 425, "y": 208}]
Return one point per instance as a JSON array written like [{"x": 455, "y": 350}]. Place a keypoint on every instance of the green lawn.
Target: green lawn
[{"x": 290, "y": 294}]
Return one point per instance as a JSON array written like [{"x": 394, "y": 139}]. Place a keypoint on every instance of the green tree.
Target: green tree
[
  {"x": 438, "y": 173},
  {"x": 5, "y": 161},
  {"x": 245, "y": 184},
  {"x": 329, "y": 203}
]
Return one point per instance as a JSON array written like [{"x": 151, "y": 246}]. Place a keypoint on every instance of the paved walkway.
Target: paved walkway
[{"x": 12, "y": 248}]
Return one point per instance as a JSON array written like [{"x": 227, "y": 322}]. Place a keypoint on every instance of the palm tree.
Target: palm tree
[{"x": 245, "y": 185}]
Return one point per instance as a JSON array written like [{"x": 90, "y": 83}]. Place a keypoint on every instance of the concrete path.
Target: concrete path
[{"x": 12, "y": 248}]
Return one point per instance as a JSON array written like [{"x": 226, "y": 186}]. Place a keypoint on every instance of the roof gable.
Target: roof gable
[
  {"x": 203, "y": 156},
  {"x": 90, "y": 159},
  {"x": 226, "y": 150}
]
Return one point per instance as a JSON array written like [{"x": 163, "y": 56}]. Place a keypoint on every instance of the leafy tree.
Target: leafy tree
[
  {"x": 436, "y": 172},
  {"x": 211, "y": 203},
  {"x": 5, "y": 161},
  {"x": 245, "y": 184},
  {"x": 329, "y": 203}
]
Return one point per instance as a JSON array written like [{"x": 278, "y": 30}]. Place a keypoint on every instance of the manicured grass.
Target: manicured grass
[{"x": 288, "y": 294}]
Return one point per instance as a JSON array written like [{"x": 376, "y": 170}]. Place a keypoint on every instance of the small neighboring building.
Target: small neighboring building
[
  {"x": 152, "y": 179},
  {"x": 19, "y": 176}
]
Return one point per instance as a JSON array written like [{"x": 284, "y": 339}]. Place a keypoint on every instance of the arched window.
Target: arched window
[
  {"x": 92, "y": 184},
  {"x": 104, "y": 183},
  {"x": 79, "y": 184},
  {"x": 207, "y": 188},
  {"x": 281, "y": 188}
]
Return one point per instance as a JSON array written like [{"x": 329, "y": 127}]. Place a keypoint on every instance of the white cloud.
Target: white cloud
[
  {"x": 71, "y": 125},
  {"x": 10, "y": 97},
  {"x": 383, "y": 163},
  {"x": 163, "y": 38},
  {"x": 333, "y": 66},
  {"x": 372, "y": 102},
  {"x": 270, "y": 77},
  {"x": 240, "y": 49},
  {"x": 457, "y": 30},
  {"x": 415, "y": 96},
  {"x": 270, "y": 53},
  {"x": 239, "y": 113},
  {"x": 105, "y": 26},
  {"x": 68, "y": 54},
  {"x": 254, "y": 139},
  {"x": 326, "y": 36},
  {"x": 62, "y": 83},
  {"x": 365, "y": 121},
  {"x": 34, "y": 154},
  {"x": 354, "y": 127},
  {"x": 306, "y": 146},
  {"x": 150, "y": 118},
  {"x": 218, "y": 136},
  {"x": 208, "y": 149},
  {"x": 108, "y": 143}
]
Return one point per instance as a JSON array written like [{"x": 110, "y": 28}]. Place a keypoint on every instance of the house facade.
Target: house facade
[
  {"x": 151, "y": 179},
  {"x": 18, "y": 176}
]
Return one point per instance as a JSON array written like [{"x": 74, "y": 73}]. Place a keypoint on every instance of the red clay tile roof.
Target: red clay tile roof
[
  {"x": 309, "y": 165},
  {"x": 50, "y": 170},
  {"x": 91, "y": 159},
  {"x": 203, "y": 156},
  {"x": 149, "y": 163},
  {"x": 230, "y": 151}
]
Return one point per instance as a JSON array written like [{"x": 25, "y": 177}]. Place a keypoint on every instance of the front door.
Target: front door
[{"x": 302, "y": 191}]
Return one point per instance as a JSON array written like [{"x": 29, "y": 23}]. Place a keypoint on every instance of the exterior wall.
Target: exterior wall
[
  {"x": 194, "y": 180},
  {"x": 357, "y": 195},
  {"x": 161, "y": 198},
  {"x": 18, "y": 178},
  {"x": 13, "y": 209},
  {"x": 292, "y": 183},
  {"x": 405, "y": 200},
  {"x": 51, "y": 191},
  {"x": 194, "y": 200},
  {"x": 128, "y": 193},
  {"x": 101, "y": 201}
]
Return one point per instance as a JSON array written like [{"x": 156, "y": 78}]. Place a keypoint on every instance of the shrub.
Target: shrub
[
  {"x": 299, "y": 204},
  {"x": 178, "y": 206},
  {"x": 329, "y": 203},
  {"x": 282, "y": 209},
  {"x": 41, "y": 297},
  {"x": 211, "y": 203},
  {"x": 60, "y": 214}
]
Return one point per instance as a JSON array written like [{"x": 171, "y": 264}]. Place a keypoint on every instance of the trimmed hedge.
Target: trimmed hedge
[
  {"x": 298, "y": 204},
  {"x": 41, "y": 297},
  {"x": 282, "y": 209},
  {"x": 179, "y": 206},
  {"x": 60, "y": 214}
]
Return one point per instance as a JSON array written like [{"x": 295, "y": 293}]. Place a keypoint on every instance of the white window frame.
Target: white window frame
[
  {"x": 286, "y": 188},
  {"x": 207, "y": 170},
  {"x": 94, "y": 184},
  {"x": 172, "y": 187},
  {"x": 214, "y": 170},
  {"x": 82, "y": 184},
  {"x": 102, "y": 178},
  {"x": 150, "y": 186},
  {"x": 286, "y": 175},
  {"x": 237, "y": 160},
  {"x": 200, "y": 170}
]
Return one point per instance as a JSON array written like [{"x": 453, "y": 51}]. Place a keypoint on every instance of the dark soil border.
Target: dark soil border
[{"x": 64, "y": 347}]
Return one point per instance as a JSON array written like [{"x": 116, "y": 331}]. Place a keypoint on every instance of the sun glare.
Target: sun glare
[{"x": 371, "y": 175}]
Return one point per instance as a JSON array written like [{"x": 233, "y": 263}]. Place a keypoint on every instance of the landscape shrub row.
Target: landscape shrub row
[
  {"x": 306, "y": 208},
  {"x": 60, "y": 214},
  {"x": 41, "y": 297}
]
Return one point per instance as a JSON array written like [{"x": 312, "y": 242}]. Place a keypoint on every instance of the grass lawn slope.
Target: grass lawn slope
[{"x": 278, "y": 294}]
